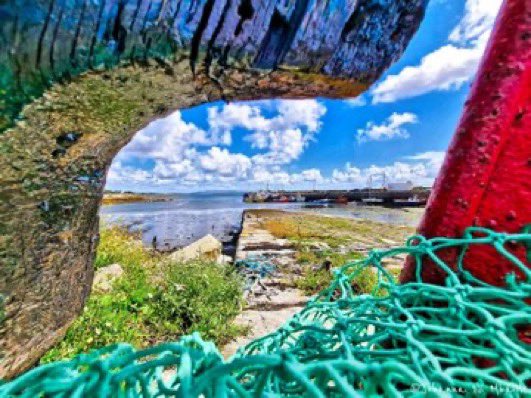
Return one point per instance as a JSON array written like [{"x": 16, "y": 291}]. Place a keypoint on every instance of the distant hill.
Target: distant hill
[{"x": 113, "y": 198}]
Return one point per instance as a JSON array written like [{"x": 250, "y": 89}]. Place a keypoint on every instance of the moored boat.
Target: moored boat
[{"x": 342, "y": 199}]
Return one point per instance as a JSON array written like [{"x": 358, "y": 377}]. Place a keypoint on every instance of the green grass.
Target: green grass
[
  {"x": 198, "y": 296},
  {"x": 300, "y": 229},
  {"x": 117, "y": 245},
  {"x": 306, "y": 256},
  {"x": 313, "y": 281},
  {"x": 365, "y": 282},
  {"x": 307, "y": 231},
  {"x": 334, "y": 231},
  {"x": 155, "y": 300}
]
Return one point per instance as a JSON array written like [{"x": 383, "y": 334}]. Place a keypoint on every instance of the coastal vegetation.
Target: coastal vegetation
[
  {"x": 155, "y": 300},
  {"x": 334, "y": 231},
  {"x": 324, "y": 243},
  {"x": 158, "y": 298}
]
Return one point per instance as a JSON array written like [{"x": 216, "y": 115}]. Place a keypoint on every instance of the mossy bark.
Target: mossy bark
[{"x": 78, "y": 78}]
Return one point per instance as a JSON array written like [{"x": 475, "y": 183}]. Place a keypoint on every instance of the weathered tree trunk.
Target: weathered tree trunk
[{"x": 90, "y": 73}]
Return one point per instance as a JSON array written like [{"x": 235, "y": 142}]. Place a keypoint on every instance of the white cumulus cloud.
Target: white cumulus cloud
[
  {"x": 349, "y": 173},
  {"x": 391, "y": 128},
  {"x": 225, "y": 163},
  {"x": 276, "y": 178},
  {"x": 172, "y": 170},
  {"x": 357, "y": 101},
  {"x": 172, "y": 153},
  {"x": 420, "y": 169},
  {"x": 282, "y": 146},
  {"x": 311, "y": 175},
  {"x": 477, "y": 21},
  {"x": 119, "y": 173},
  {"x": 166, "y": 139},
  {"x": 304, "y": 114},
  {"x": 451, "y": 65},
  {"x": 432, "y": 161},
  {"x": 178, "y": 152}
]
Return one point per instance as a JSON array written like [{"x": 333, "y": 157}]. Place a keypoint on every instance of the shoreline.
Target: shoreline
[
  {"x": 186, "y": 218},
  {"x": 114, "y": 198}
]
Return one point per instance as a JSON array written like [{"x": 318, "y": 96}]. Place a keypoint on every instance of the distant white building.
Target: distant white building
[{"x": 400, "y": 186}]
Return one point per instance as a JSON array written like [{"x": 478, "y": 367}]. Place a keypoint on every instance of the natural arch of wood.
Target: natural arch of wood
[{"x": 80, "y": 77}]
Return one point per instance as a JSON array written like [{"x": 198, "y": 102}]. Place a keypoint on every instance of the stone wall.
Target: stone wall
[{"x": 79, "y": 77}]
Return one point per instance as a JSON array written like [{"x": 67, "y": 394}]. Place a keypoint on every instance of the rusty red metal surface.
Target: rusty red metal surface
[{"x": 486, "y": 176}]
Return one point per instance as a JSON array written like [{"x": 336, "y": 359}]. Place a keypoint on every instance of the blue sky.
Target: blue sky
[{"x": 401, "y": 126}]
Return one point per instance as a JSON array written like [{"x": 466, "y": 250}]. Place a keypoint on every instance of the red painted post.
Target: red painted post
[{"x": 486, "y": 176}]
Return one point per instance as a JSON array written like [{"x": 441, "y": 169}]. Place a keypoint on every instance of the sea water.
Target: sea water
[{"x": 188, "y": 217}]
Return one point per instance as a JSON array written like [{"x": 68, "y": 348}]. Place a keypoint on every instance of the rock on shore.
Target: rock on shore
[
  {"x": 105, "y": 276},
  {"x": 208, "y": 247}
]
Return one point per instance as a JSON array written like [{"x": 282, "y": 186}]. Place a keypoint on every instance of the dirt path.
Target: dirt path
[
  {"x": 295, "y": 243},
  {"x": 275, "y": 299}
]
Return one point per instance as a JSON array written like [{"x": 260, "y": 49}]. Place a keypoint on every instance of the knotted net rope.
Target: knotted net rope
[
  {"x": 416, "y": 339},
  {"x": 253, "y": 270}
]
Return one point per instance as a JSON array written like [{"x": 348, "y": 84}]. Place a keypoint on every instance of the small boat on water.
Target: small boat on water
[
  {"x": 342, "y": 200},
  {"x": 413, "y": 201},
  {"x": 284, "y": 198},
  {"x": 256, "y": 197},
  {"x": 299, "y": 198}
]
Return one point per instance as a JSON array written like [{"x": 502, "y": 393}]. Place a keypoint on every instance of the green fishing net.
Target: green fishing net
[{"x": 465, "y": 337}]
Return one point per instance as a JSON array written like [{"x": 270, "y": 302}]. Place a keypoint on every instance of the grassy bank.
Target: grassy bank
[
  {"x": 320, "y": 240},
  {"x": 158, "y": 300},
  {"x": 154, "y": 300}
]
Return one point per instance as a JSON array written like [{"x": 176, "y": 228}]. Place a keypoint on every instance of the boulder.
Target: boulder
[
  {"x": 105, "y": 276},
  {"x": 208, "y": 248},
  {"x": 224, "y": 259}
]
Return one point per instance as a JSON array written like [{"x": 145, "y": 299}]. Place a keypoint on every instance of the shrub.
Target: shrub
[
  {"x": 313, "y": 281},
  {"x": 365, "y": 281},
  {"x": 117, "y": 245},
  {"x": 199, "y": 296},
  {"x": 155, "y": 300}
]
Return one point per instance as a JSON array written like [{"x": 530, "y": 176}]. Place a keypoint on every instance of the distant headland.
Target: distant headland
[{"x": 118, "y": 197}]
